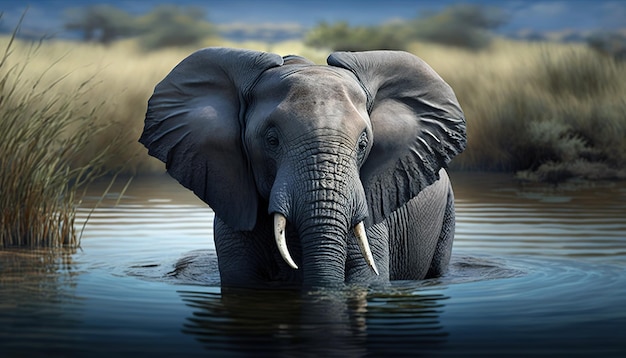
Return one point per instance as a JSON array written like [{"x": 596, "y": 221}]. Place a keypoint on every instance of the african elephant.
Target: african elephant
[{"x": 317, "y": 174}]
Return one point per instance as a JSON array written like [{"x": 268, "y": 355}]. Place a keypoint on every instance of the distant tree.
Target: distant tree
[
  {"x": 466, "y": 26},
  {"x": 100, "y": 23},
  {"x": 342, "y": 37},
  {"x": 164, "y": 26},
  {"x": 609, "y": 43},
  {"x": 170, "y": 25},
  {"x": 462, "y": 25}
]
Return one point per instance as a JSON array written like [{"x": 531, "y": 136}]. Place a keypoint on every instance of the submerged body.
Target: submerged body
[
  {"x": 317, "y": 174},
  {"x": 413, "y": 243}
]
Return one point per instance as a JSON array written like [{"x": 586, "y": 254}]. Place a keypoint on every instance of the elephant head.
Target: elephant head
[{"x": 329, "y": 149}]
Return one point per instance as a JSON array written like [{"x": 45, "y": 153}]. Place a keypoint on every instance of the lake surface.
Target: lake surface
[{"x": 536, "y": 270}]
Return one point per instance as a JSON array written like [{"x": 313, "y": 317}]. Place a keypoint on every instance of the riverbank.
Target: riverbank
[
  {"x": 545, "y": 111},
  {"x": 532, "y": 273}
]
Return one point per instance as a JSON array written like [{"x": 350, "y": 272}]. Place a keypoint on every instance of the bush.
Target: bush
[
  {"x": 547, "y": 113},
  {"x": 467, "y": 26},
  {"x": 588, "y": 104},
  {"x": 342, "y": 37},
  {"x": 100, "y": 23},
  {"x": 170, "y": 26},
  {"x": 164, "y": 26},
  {"x": 609, "y": 44}
]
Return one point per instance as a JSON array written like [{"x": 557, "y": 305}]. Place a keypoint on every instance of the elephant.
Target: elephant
[{"x": 318, "y": 175}]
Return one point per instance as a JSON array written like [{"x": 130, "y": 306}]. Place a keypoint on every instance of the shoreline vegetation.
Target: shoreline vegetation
[
  {"x": 72, "y": 112},
  {"x": 46, "y": 124},
  {"x": 543, "y": 111}
]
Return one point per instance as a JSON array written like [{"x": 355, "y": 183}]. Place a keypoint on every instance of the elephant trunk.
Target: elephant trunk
[
  {"x": 280, "y": 223},
  {"x": 325, "y": 215},
  {"x": 324, "y": 252}
]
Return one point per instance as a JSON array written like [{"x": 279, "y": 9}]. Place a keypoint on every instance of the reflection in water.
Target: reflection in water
[
  {"x": 534, "y": 270},
  {"x": 349, "y": 322},
  {"x": 38, "y": 305},
  {"x": 402, "y": 318},
  {"x": 503, "y": 218},
  {"x": 405, "y": 323}
]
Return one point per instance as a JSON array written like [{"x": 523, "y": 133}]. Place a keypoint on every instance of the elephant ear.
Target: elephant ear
[
  {"x": 417, "y": 122},
  {"x": 194, "y": 125}
]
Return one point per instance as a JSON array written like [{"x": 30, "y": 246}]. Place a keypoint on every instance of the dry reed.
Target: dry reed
[
  {"x": 525, "y": 103},
  {"x": 547, "y": 111},
  {"x": 44, "y": 126}
]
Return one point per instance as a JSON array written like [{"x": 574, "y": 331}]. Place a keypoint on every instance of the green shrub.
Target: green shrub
[
  {"x": 587, "y": 92},
  {"x": 545, "y": 111},
  {"x": 164, "y": 26},
  {"x": 100, "y": 23},
  {"x": 611, "y": 44},
  {"x": 171, "y": 26},
  {"x": 572, "y": 116},
  {"x": 466, "y": 26},
  {"x": 342, "y": 37},
  {"x": 462, "y": 25}
]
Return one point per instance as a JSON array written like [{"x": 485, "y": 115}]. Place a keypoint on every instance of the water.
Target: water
[{"x": 535, "y": 270}]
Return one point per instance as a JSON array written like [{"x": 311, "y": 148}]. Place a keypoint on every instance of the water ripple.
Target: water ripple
[{"x": 534, "y": 272}]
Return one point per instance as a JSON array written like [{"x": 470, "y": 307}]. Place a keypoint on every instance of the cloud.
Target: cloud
[{"x": 545, "y": 9}]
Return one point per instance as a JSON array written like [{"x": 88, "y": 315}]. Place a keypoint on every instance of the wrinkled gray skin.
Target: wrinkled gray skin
[{"x": 364, "y": 138}]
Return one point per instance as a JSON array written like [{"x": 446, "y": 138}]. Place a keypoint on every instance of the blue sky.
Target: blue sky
[{"x": 543, "y": 15}]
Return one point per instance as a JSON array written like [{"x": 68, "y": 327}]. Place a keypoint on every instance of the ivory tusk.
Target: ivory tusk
[
  {"x": 361, "y": 238},
  {"x": 280, "y": 222}
]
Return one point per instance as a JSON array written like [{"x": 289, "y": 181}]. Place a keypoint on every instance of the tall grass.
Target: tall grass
[
  {"x": 125, "y": 76},
  {"x": 548, "y": 112},
  {"x": 542, "y": 110},
  {"x": 113, "y": 99},
  {"x": 44, "y": 127}
]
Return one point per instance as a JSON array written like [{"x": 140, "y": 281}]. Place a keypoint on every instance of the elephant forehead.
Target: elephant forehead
[
  {"x": 305, "y": 99},
  {"x": 315, "y": 86},
  {"x": 309, "y": 87},
  {"x": 323, "y": 97}
]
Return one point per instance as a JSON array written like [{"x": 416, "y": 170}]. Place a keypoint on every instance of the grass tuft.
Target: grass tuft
[
  {"x": 530, "y": 107},
  {"x": 44, "y": 129},
  {"x": 540, "y": 108}
]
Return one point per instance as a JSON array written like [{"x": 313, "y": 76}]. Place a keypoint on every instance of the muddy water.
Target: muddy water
[{"x": 536, "y": 270}]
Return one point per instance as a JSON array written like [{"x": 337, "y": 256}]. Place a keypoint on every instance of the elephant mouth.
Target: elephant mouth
[{"x": 280, "y": 223}]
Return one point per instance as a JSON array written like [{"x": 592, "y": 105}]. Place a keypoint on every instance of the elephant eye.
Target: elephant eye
[
  {"x": 362, "y": 142},
  {"x": 362, "y": 147},
  {"x": 272, "y": 140}
]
